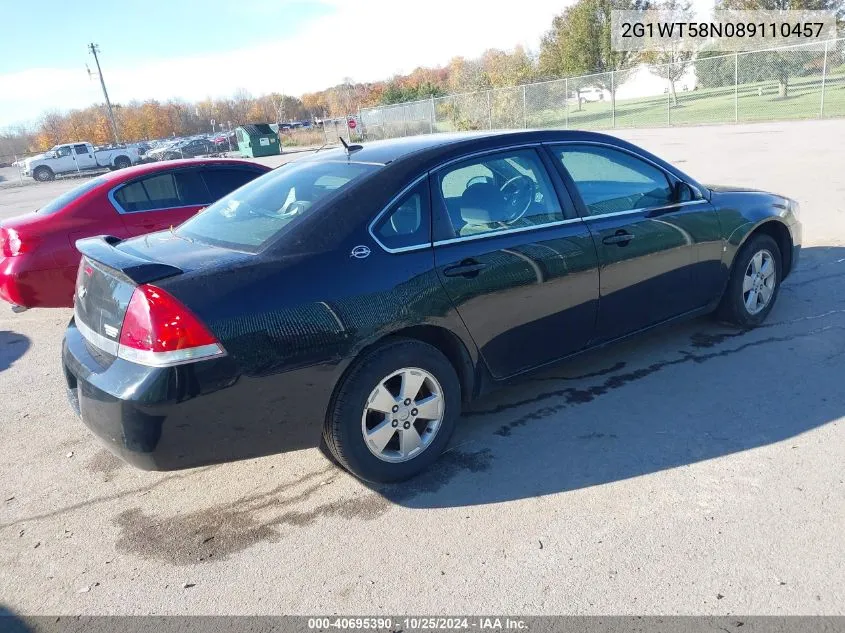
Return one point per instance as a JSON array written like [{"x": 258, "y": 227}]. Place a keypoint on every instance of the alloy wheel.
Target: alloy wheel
[
  {"x": 402, "y": 415},
  {"x": 759, "y": 283}
]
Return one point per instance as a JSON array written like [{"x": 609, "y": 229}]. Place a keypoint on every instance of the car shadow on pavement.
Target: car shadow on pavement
[
  {"x": 12, "y": 347},
  {"x": 677, "y": 396},
  {"x": 11, "y": 623}
]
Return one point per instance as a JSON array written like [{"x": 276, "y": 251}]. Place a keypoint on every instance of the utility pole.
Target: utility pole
[{"x": 94, "y": 50}]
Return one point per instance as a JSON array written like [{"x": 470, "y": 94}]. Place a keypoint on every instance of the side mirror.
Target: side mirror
[
  {"x": 53, "y": 154},
  {"x": 684, "y": 192}
]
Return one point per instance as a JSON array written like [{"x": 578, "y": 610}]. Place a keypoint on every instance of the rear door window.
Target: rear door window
[
  {"x": 191, "y": 188},
  {"x": 163, "y": 191},
  {"x": 498, "y": 192},
  {"x": 147, "y": 194},
  {"x": 221, "y": 181}
]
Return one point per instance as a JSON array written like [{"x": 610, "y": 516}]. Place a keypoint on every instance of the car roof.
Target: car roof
[
  {"x": 151, "y": 168},
  {"x": 388, "y": 151}
]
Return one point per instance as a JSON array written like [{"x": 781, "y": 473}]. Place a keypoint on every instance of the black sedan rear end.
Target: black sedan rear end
[{"x": 168, "y": 352}]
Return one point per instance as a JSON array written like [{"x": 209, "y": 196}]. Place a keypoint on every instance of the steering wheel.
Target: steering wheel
[{"x": 519, "y": 194}]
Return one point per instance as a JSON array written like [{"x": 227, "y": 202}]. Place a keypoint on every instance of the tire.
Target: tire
[
  {"x": 738, "y": 306},
  {"x": 43, "y": 174},
  {"x": 122, "y": 162},
  {"x": 355, "y": 407}
]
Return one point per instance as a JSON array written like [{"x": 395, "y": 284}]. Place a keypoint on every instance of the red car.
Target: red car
[{"x": 38, "y": 256}]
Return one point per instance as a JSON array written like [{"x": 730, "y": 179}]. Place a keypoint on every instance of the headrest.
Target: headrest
[{"x": 482, "y": 203}]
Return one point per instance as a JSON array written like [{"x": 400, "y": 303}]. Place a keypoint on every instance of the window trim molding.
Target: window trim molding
[
  {"x": 521, "y": 229},
  {"x": 394, "y": 200},
  {"x": 642, "y": 210},
  {"x": 484, "y": 152}
]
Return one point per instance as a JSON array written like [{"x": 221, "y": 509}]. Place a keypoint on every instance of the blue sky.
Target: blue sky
[
  {"x": 136, "y": 31},
  {"x": 192, "y": 49}
]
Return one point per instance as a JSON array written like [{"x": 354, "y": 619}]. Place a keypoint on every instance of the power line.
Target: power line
[{"x": 94, "y": 48}]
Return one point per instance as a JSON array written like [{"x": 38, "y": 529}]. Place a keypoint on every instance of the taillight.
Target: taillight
[
  {"x": 11, "y": 243},
  {"x": 159, "y": 331}
]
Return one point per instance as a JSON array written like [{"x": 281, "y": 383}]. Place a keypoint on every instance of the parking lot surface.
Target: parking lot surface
[{"x": 694, "y": 470}]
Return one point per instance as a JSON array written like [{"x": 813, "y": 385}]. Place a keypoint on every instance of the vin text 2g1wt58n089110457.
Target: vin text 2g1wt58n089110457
[{"x": 358, "y": 297}]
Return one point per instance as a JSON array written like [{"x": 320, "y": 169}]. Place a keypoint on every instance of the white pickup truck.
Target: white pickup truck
[{"x": 75, "y": 157}]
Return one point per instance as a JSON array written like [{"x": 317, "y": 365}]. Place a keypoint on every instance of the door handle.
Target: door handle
[
  {"x": 467, "y": 268},
  {"x": 621, "y": 238}
]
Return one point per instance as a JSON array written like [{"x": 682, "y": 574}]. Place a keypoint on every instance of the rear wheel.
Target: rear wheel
[
  {"x": 754, "y": 283},
  {"x": 122, "y": 162},
  {"x": 43, "y": 174},
  {"x": 394, "y": 412}
]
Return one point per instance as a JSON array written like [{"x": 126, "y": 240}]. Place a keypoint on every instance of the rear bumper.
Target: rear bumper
[
  {"x": 47, "y": 288},
  {"x": 194, "y": 414},
  {"x": 10, "y": 286}
]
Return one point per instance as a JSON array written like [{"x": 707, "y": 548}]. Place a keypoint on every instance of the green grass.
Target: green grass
[
  {"x": 713, "y": 105},
  {"x": 698, "y": 107}
]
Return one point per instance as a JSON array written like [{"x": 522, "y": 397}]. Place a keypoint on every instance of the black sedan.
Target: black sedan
[
  {"x": 356, "y": 298},
  {"x": 189, "y": 149}
]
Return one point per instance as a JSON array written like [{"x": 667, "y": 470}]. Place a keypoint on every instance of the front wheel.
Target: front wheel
[
  {"x": 395, "y": 411},
  {"x": 43, "y": 174},
  {"x": 754, "y": 283}
]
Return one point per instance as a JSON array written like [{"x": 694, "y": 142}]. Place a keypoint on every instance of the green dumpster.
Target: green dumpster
[{"x": 257, "y": 139}]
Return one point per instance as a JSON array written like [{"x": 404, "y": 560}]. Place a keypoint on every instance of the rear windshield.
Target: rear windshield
[
  {"x": 57, "y": 204},
  {"x": 251, "y": 216}
]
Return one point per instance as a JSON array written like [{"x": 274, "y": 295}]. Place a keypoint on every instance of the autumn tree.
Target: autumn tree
[
  {"x": 16, "y": 140},
  {"x": 505, "y": 69},
  {"x": 240, "y": 105},
  {"x": 467, "y": 75},
  {"x": 316, "y": 104}
]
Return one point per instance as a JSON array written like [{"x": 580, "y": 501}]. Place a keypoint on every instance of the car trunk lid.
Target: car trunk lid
[
  {"x": 112, "y": 269},
  {"x": 105, "y": 282}
]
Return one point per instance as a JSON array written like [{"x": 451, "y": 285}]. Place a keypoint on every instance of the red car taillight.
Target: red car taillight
[
  {"x": 159, "y": 331},
  {"x": 11, "y": 243}
]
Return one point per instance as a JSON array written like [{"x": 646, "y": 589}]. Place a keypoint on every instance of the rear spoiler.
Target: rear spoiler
[{"x": 141, "y": 271}]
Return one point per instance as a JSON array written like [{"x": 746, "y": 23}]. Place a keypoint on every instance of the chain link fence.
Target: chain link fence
[{"x": 796, "y": 82}]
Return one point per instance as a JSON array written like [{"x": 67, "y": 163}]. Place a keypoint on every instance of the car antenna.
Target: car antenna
[{"x": 349, "y": 148}]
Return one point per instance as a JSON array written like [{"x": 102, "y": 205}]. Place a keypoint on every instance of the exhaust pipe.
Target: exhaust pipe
[{"x": 18, "y": 309}]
